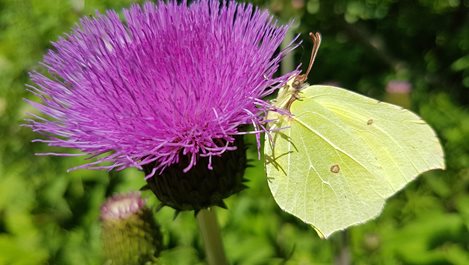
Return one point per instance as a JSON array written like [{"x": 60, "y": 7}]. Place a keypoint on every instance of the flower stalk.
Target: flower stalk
[{"x": 210, "y": 232}]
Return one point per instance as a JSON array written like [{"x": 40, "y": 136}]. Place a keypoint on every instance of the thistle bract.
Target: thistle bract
[{"x": 171, "y": 83}]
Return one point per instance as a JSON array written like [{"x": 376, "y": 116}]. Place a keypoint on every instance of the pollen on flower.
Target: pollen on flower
[{"x": 170, "y": 80}]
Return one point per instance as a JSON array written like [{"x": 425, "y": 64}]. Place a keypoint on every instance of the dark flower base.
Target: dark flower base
[{"x": 200, "y": 187}]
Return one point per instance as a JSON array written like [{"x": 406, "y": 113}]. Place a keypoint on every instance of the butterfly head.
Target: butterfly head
[{"x": 291, "y": 90}]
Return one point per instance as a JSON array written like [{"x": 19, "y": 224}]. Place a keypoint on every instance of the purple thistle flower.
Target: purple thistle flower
[{"x": 173, "y": 79}]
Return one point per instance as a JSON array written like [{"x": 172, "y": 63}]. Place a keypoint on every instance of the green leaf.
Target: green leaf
[{"x": 339, "y": 156}]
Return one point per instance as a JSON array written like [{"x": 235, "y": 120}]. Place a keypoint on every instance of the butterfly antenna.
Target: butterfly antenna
[{"x": 316, "y": 38}]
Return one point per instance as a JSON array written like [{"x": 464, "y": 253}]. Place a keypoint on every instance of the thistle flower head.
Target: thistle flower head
[{"x": 170, "y": 80}]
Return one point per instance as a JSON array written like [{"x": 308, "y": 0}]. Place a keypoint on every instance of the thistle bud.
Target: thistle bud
[{"x": 130, "y": 234}]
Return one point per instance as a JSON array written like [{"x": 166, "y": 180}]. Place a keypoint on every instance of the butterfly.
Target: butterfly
[{"x": 333, "y": 157}]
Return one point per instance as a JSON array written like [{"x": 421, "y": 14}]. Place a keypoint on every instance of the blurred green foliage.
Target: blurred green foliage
[{"x": 48, "y": 216}]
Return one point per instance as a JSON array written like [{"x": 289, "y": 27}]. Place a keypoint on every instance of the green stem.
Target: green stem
[
  {"x": 210, "y": 232},
  {"x": 343, "y": 252}
]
